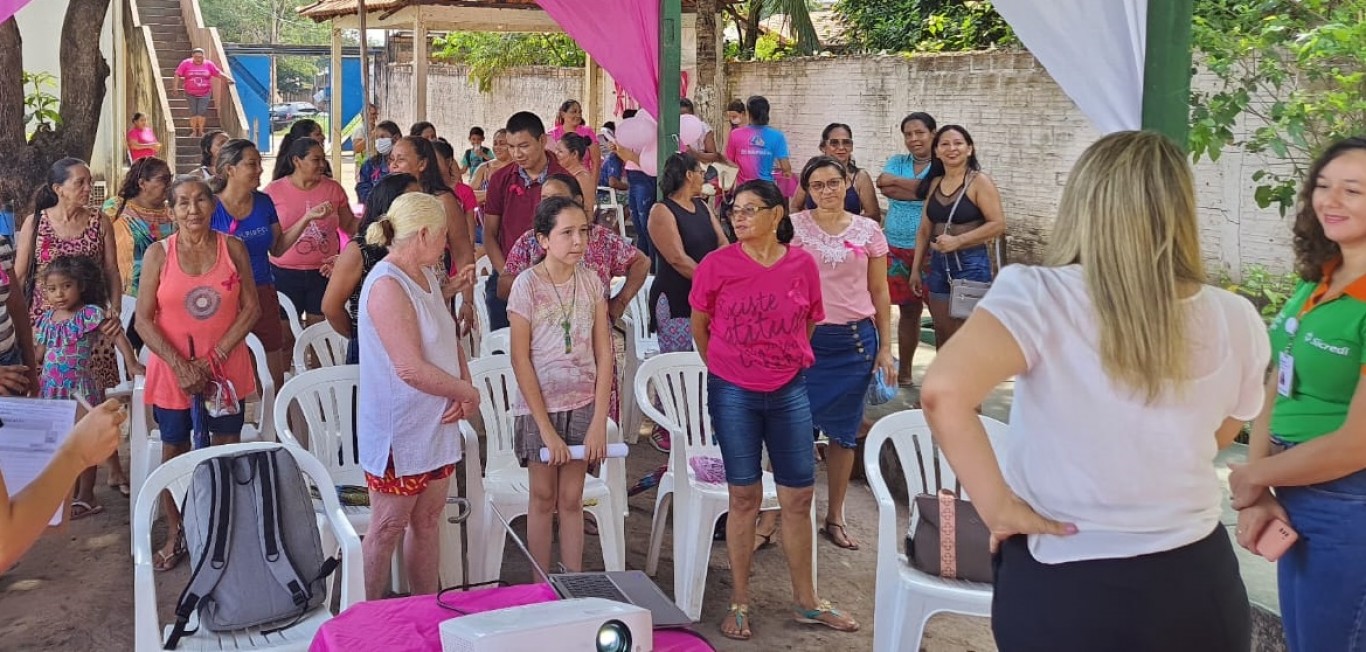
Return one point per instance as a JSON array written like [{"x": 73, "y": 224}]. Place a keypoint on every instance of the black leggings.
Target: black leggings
[{"x": 1187, "y": 599}]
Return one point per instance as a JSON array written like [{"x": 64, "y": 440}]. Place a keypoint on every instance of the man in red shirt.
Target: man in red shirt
[{"x": 514, "y": 192}]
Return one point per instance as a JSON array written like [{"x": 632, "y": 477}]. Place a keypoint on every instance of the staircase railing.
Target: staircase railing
[
  {"x": 231, "y": 116},
  {"x": 147, "y": 93}
]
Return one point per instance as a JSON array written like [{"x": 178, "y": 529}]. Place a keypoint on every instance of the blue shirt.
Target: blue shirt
[
  {"x": 254, "y": 231},
  {"x": 903, "y": 217},
  {"x": 612, "y": 168}
]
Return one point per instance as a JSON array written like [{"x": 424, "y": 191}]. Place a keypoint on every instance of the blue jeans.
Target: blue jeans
[
  {"x": 498, "y": 308},
  {"x": 972, "y": 264},
  {"x": 641, "y": 197},
  {"x": 744, "y": 422},
  {"x": 1322, "y": 578}
]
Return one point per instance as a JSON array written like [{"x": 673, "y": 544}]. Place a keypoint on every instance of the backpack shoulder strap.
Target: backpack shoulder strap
[
  {"x": 272, "y": 542},
  {"x": 213, "y": 559}
]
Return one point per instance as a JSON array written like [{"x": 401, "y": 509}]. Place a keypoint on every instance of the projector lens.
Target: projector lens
[{"x": 614, "y": 636}]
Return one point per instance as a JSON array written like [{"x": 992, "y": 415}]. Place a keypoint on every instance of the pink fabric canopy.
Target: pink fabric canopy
[
  {"x": 10, "y": 7},
  {"x": 621, "y": 35}
]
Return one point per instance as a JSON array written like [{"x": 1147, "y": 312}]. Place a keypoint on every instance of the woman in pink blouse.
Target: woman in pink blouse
[
  {"x": 142, "y": 141},
  {"x": 569, "y": 120}
]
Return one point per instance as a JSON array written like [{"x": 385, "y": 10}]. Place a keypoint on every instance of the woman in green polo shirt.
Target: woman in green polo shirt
[{"x": 1309, "y": 444}]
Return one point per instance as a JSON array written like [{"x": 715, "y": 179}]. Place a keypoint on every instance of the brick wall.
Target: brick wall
[{"x": 1028, "y": 132}]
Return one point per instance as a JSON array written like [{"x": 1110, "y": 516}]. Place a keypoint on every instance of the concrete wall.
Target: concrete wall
[{"x": 1028, "y": 132}]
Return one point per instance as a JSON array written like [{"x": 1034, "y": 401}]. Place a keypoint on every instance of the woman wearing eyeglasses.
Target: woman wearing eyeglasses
[
  {"x": 860, "y": 195},
  {"x": 754, "y": 306}
]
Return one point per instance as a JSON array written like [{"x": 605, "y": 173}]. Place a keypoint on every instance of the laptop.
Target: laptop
[{"x": 631, "y": 587}]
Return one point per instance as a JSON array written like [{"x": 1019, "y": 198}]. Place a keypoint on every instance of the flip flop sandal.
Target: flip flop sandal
[
  {"x": 816, "y": 617},
  {"x": 162, "y": 562},
  {"x": 739, "y": 612},
  {"x": 122, "y": 488},
  {"x": 85, "y": 509},
  {"x": 828, "y": 530}
]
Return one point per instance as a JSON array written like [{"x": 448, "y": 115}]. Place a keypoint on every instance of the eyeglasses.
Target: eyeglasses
[
  {"x": 822, "y": 186},
  {"x": 840, "y": 142},
  {"x": 748, "y": 212}
]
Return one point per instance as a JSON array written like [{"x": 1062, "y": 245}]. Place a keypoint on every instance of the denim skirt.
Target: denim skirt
[{"x": 838, "y": 382}]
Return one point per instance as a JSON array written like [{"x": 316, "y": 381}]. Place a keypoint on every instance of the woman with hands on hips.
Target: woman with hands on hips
[
  {"x": 1130, "y": 375},
  {"x": 418, "y": 388},
  {"x": 1310, "y": 441},
  {"x": 196, "y": 305}
]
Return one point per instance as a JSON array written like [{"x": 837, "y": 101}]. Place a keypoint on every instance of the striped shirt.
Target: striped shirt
[{"x": 6, "y": 281}]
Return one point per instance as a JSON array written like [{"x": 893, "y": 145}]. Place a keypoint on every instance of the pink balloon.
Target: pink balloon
[{"x": 639, "y": 134}]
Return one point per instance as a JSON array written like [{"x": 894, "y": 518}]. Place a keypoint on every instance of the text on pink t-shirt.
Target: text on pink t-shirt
[
  {"x": 759, "y": 316},
  {"x": 198, "y": 77},
  {"x": 843, "y": 261},
  {"x": 319, "y": 241},
  {"x": 568, "y": 378}
]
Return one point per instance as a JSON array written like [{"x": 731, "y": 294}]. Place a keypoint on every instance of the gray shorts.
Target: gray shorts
[
  {"x": 571, "y": 425},
  {"x": 199, "y": 106}
]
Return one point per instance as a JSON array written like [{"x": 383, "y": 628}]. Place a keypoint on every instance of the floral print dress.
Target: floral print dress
[
  {"x": 48, "y": 247},
  {"x": 70, "y": 346}
]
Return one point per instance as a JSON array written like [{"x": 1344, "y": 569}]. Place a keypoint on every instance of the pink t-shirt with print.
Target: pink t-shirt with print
[
  {"x": 568, "y": 378},
  {"x": 319, "y": 241},
  {"x": 759, "y": 315},
  {"x": 198, "y": 77},
  {"x": 843, "y": 260}
]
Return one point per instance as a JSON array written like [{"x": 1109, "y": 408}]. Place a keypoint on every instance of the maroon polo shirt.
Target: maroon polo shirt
[{"x": 513, "y": 196}]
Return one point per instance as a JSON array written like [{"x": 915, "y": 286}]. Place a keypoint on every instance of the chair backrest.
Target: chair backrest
[
  {"x": 470, "y": 338},
  {"x": 640, "y": 312},
  {"x": 327, "y": 399},
  {"x": 266, "y": 385},
  {"x": 483, "y": 266},
  {"x": 499, "y": 341},
  {"x": 175, "y": 476},
  {"x": 924, "y": 466},
  {"x": 296, "y": 324},
  {"x": 481, "y": 307},
  {"x": 127, "y": 308},
  {"x": 492, "y": 376},
  {"x": 324, "y": 342},
  {"x": 679, "y": 380}
]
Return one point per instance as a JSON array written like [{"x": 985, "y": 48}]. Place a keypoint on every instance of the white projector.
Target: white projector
[{"x": 575, "y": 625}]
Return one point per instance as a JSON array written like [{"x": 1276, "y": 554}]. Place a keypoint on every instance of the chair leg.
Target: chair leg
[
  {"x": 901, "y": 624},
  {"x": 494, "y": 540},
  {"x": 692, "y": 555},
  {"x": 610, "y": 535},
  {"x": 662, "y": 504}
]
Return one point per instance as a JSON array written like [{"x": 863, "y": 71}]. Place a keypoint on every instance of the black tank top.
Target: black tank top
[
  {"x": 938, "y": 205},
  {"x": 699, "y": 239}
]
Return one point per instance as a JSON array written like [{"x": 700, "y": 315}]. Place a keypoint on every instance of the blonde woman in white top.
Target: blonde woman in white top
[
  {"x": 1131, "y": 374},
  {"x": 414, "y": 388}
]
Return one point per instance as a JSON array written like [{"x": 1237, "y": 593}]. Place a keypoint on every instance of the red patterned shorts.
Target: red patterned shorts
[
  {"x": 899, "y": 277},
  {"x": 408, "y": 485}
]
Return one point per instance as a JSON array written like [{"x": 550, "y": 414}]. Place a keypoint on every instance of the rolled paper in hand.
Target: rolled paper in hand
[{"x": 576, "y": 452}]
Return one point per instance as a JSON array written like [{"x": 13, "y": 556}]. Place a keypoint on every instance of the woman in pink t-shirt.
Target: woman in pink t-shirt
[
  {"x": 302, "y": 192},
  {"x": 569, "y": 120},
  {"x": 755, "y": 304},
  {"x": 197, "y": 75},
  {"x": 142, "y": 141},
  {"x": 854, "y": 341}
]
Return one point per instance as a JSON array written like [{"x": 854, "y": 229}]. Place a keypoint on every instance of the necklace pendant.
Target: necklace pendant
[{"x": 568, "y": 342}]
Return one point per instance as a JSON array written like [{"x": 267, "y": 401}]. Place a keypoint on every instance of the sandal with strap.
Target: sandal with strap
[
  {"x": 740, "y": 614},
  {"x": 844, "y": 540},
  {"x": 825, "y": 614},
  {"x": 162, "y": 561}
]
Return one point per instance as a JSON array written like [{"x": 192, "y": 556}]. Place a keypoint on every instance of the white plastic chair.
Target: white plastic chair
[
  {"x": 327, "y": 346},
  {"x": 175, "y": 476},
  {"x": 640, "y": 346},
  {"x": 483, "y": 266},
  {"x": 906, "y": 598},
  {"x": 499, "y": 341},
  {"x": 481, "y": 306},
  {"x": 327, "y": 400},
  {"x": 127, "y": 308},
  {"x": 144, "y": 441},
  {"x": 614, "y": 203},
  {"x": 470, "y": 339},
  {"x": 507, "y": 484},
  {"x": 296, "y": 324},
  {"x": 680, "y": 382}
]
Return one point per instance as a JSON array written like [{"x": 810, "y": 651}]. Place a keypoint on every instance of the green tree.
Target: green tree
[
  {"x": 489, "y": 54},
  {"x": 272, "y": 21},
  {"x": 924, "y": 25},
  {"x": 747, "y": 16},
  {"x": 1295, "y": 71}
]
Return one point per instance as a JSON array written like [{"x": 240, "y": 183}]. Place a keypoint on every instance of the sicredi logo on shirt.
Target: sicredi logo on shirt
[{"x": 1312, "y": 340}]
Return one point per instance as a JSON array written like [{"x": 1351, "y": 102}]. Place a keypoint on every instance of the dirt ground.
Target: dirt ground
[{"x": 73, "y": 591}]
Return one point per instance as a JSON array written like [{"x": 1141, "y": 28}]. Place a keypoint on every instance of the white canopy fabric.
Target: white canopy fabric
[{"x": 1094, "y": 49}]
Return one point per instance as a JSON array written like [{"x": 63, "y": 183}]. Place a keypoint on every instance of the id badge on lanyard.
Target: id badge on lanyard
[{"x": 1285, "y": 380}]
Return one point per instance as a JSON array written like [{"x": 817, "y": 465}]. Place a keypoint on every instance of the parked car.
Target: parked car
[{"x": 281, "y": 115}]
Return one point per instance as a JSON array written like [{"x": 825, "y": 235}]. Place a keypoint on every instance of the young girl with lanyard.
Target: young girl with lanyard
[{"x": 562, "y": 358}]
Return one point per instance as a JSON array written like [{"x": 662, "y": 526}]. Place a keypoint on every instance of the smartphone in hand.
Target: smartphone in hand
[{"x": 1276, "y": 539}]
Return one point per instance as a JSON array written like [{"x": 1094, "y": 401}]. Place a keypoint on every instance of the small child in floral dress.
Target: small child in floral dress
[{"x": 66, "y": 336}]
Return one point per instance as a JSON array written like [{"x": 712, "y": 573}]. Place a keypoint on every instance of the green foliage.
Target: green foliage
[
  {"x": 1266, "y": 290},
  {"x": 924, "y": 25},
  {"x": 1294, "y": 69},
  {"x": 772, "y": 48},
  {"x": 273, "y": 21},
  {"x": 490, "y": 54},
  {"x": 41, "y": 105},
  {"x": 746, "y": 16}
]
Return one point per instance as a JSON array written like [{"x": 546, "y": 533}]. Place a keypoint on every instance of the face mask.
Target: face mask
[{"x": 384, "y": 145}]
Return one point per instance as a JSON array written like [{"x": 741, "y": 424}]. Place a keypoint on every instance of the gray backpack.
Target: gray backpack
[{"x": 255, "y": 554}]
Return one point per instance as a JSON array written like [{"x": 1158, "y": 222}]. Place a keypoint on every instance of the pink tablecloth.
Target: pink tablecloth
[{"x": 413, "y": 623}]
